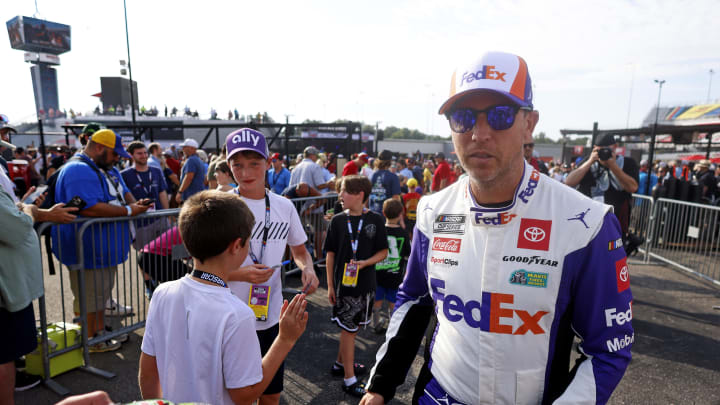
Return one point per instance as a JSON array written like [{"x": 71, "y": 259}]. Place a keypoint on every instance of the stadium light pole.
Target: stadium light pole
[
  {"x": 375, "y": 138},
  {"x": 651, "y": 152},
  {"x": 710, "y": 86},
  {"x": 132, "y": 93}
]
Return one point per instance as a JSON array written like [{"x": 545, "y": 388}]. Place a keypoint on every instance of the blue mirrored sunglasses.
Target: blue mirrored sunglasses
[{"x": 499, "y": 117}]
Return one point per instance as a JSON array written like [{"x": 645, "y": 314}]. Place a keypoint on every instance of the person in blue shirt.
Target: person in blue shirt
[
  {"x": 385, "y": 185},
  {"x": 90, "y": 175},
  {"x": 154, "y": 155},
  {"x": 143, "y": 180},
  {"x": 642, "y": 179},
  {"x": 278, "y": 177},
  {"x": 146, "y": 181},
  {"x": 192, "y": 175},
  {"x": 404, "y": 170}
]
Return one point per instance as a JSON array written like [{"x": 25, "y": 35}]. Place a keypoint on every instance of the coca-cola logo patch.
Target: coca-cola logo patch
[{"x": 450, "y": 245}]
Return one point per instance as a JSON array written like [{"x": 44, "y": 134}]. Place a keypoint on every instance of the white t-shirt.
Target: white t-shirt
[
  {"x": 285, "y": 230},
  {"x": 202, "y": 340},
  {"x": 39, "y": 165}
]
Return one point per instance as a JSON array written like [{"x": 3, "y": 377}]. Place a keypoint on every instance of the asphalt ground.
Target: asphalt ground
[{"x": 676, "y": 354}]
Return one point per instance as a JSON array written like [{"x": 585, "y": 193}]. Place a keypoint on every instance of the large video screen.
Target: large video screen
[{"x": 34, "y": 35}]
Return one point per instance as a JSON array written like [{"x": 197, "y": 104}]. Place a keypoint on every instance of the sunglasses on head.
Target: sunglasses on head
[
  {"x": 528, "y": 145},
  {"x": 499, "y": 117}
]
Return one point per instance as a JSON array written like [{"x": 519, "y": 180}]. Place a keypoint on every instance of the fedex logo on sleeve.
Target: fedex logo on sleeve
[
  {"x": 486, "y": 315},
  {"x": 487, "y": 72},
  {"x": 612, "y": 316}
]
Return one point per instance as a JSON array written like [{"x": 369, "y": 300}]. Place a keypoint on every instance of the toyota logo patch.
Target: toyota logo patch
[
  {"x": 623, "y": 275},
  {"x": 534, "y": 234}
]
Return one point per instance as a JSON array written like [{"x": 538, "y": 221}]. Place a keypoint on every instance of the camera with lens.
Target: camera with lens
[{"x": 604, "y": 154}]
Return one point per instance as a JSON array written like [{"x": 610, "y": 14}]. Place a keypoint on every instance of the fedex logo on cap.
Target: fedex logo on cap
[
  {"x": 486, "y": 72},
  {"x": 500, "y": 72}
]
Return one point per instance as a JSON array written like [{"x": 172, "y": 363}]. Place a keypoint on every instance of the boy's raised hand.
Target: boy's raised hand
[{"x": 293, "y": 319}]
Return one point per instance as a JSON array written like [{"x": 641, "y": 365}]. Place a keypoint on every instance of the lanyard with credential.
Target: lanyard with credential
[
  {"x": 209, "y": 277},
  {"x": 266, "y": 229},
  {"x": 147, "y": 190},
  {"x": 353, "y": 240}
]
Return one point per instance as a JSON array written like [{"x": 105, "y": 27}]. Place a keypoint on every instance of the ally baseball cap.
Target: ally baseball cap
[
  {"x": 246, "y": 139},
  {"x": 499, "y": 72},
  {"x": 107, "y": 137}
]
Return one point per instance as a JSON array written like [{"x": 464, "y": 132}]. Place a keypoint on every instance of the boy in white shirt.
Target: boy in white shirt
[
  {"x": 277, "y": 226},
  {"x": 200, "y": 344}
]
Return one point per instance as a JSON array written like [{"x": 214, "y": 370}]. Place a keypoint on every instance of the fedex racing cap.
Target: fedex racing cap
[
  {"x": 499, "y": 72},
  {"x": 246, "y": 139}
]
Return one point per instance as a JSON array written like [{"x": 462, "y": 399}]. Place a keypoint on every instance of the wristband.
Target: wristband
[{"x": 129, "y": 210}]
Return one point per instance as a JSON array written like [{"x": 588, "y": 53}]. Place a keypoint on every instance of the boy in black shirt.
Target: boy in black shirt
[
  {"x": 390, "y": 272},
  {"x": 355, "y": 242}
]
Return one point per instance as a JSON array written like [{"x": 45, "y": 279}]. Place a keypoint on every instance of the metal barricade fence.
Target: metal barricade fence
[
  {"x": 315, "y": 214},
  {"x": 641, "y": 220},
  {"x": 114, "y": 256},
  {"x": 686, "y": 236},
  {"x": 61, "y": 310},
  {"x": 111, "y": 256}
]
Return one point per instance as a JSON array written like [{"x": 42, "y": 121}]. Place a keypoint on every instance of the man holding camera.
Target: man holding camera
[{"x": 608, "y": 178}]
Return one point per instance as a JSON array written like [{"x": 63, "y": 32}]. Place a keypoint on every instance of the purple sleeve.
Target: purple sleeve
[
  {"x": 407, "y": 327},
  {"x": 415, "y": 284},
  {"x": 601, "y": 313}
]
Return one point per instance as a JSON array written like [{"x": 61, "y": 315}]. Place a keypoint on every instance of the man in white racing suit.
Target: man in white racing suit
[{"x": 513, "y": 264}]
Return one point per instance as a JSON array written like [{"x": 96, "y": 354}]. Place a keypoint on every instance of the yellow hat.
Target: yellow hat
[
  {"x": 412, "y": 183},
  {"x": 112, "y": 140}
]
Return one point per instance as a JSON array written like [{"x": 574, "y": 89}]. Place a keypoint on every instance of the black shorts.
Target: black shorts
[
  {"x": 162, "y": 268},
  {"x": 20, "y": 336},
  {"x": 266, "y": 338},
  {"x": 351, "y": 312}
]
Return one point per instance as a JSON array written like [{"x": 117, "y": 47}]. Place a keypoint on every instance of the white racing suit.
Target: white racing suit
[{"x": 511, "y": 287}]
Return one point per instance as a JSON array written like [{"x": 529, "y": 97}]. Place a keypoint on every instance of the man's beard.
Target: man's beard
[{"x": 105, "y": 162}]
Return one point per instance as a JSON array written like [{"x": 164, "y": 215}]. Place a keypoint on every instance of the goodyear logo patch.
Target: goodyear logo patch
[{"x": 529, "y": 278}]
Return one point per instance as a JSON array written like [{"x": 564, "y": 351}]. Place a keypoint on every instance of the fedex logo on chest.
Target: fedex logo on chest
[{"x": 487, "y": 314}]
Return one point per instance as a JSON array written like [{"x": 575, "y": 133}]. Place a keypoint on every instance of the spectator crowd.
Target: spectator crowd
[{"x": 107, "y": 179}]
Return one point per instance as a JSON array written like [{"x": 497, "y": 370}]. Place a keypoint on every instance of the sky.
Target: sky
[{"x": 386, "y": 62}]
